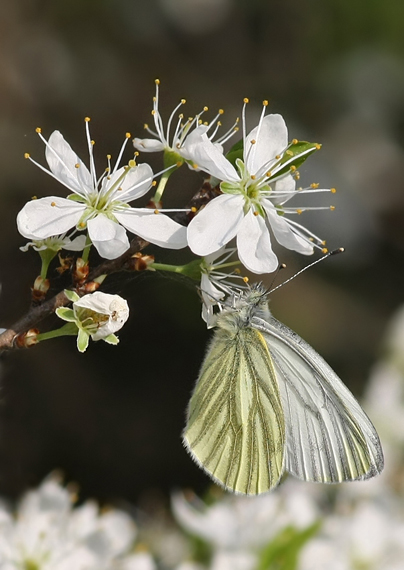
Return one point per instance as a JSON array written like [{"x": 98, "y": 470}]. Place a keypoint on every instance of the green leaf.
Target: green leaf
[
  {"x": 71, "y": 295},
  {"x": 283, "y": 552},
  {"x": 236, "y": 152},
  {"x": 295, "y": 155},
  {"x": 111, "y": 339},
  {"x": 82, "y": 340},
  {"x": 66, "y": 314}
]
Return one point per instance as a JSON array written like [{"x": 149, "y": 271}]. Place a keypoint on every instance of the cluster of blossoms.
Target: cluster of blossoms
[{"x": 252, "y": 184}]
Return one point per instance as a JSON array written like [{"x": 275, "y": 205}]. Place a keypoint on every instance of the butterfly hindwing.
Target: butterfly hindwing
[{"x": 235, "y": 427}]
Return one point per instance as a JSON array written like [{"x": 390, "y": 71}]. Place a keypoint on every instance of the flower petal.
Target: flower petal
[
  {"x": 148, "y": 145},
  {"x": 207, "y": 156},
  {"x": 67, "y": 166},
  {"x": 254, "y": 245},
  {"x": 216, "y": 224},
  {"x": 136, "y": 183},
  {"x": 155, "y": 228},
  {"x": 286, "y": 184},
  {"x": 284, "y": 233},
  {"x": 108, "y": 237},
  {"x": 76, "y": 244},
  {"x": 271, "y": 138},
  {"x": 48, "y": 216}
]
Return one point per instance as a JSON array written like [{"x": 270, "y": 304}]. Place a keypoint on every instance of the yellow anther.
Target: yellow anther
[
  {"x": 324, "y": 250},
  {"x": 245, "y": 279},
  {"x": 318, "y": 146},
  {"x": 108, "y": 178},
  {"x": 180, "y": 116},
  {"x": 38, "y": 130},
  {"x": 256, "y": 213},
  {"x": 253, "y": 141},
  {"x": 332, "y": 208},
  {"x": 119, "y": 189},
  {"x": 154, "y": 99},
  {"x": 77, "y": 165},
  {"x": 253, "y": 177},
  {"x": 265, "y": 103},
  {"x": 323, "y": 242},
  {"x": 156, "y": 212},
  {"x": 295, "y": 141},
  {"x": 299, "y": 211},
  {"x": 153, "y": 112},
  {"x": 107, "y": 169},
  {"x": 236, "y": 129},
  {"x": 179, "y": 163},
  {"x": 183, "y": 101},
  {"x": 109, "y": 156},
  {"x": 278, "y": 156},
  {"x": 246, "y": 100},
  {"x": 193, "y": 209},
  {"x": 87, "y": 119},
  {"x": 128, "y": 135},
  {"x": 82, "y": 225},
  {"x": 136, "y": 153},
  {"x": 92, "y": 142},
  {"x": 333, "y": 190},
  {"x": 157, "y": 81},
  {"x": 237, "y": 271},
  {"x": 268, "y": 174},
  {"x": 206, "y": 108},
  {"x": 293, "y": 168},
  {"x": 154, "y": 183},
  {"x": 314, "y": 185},
  {"x": 132, "y": 163},
  {"x": 145, "y": 126},
  {"x": 206, "y": 123},
  {"x": 221, "y": 111},
  {"x": 297, "y": 175},
  {"x": 219, "y": 123},
  {"x": 194, "y": 165},
  {"x": 26, "y": 155},
  {"x": 200, "y": 122},
  {"x": 34, "y": 197},
  {"x": 289, "y": 152}
]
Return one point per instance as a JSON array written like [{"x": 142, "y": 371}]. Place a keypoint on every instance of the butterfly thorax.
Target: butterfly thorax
[{"x": 244, "y": 308}]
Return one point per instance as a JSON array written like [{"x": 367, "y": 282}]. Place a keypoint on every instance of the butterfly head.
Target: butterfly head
[{"x": 242, "y": 307}]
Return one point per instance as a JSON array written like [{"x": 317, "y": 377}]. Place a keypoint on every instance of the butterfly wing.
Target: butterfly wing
[
  {"x": 235, "y": 427},
  {"x": 329, "y": 438}
]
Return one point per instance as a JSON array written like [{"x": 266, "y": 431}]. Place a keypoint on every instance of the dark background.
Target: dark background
[{"x": 112, "y": 418}]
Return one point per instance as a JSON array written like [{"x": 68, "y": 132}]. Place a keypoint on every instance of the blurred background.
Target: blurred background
[{"x": 112, "y": 418}]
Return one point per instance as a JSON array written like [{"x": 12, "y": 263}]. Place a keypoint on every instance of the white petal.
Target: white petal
[
  {"x": 207, "y": 156},
  {"x": 48, "y": 216},
  {"x": 108, "y": 237},
  {"x": 148, "y": 145},
  {"x": 216, "y": 224},
  {"x": 136, "y": 183},
  {"x": 139, "y": 561},
  {"x": 283, "y": 232},
  {"x": 155, "y": 228},
  {"x": 62, "y": 161},
  {"x": 76, "y": 244},
  {"x": 286, "y": 184},
  {"x": 271, "y": 140},
  {"x": 254, "y": 245}
]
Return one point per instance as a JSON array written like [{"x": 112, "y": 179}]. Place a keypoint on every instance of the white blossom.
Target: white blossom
[
  {"x": 255, "y": 196},
  {"x": 56, "y": 243},
  {"x": 172, "y": 138},
  {"x": 99, "y": 315},
  {"x": 99, "y": 204},
  {"x": 48, "y": 533}
]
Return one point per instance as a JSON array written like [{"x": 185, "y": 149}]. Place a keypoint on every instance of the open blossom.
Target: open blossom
[
  {"x": 99, "y": 315},
  {"x": 48, "y": 533},
  {"x": 255, "y": 195},
  {"x": 172, "y": 139},
  {"x": 99, "y": 204}
]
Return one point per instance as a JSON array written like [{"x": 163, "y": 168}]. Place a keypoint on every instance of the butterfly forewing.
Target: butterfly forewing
[
  {"x": 235, "y": 428},
  {"x": 329, "y": 438}
]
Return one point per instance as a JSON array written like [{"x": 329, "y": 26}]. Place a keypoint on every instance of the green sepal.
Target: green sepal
[
  {"x": 82, "y": 340},
  {"x": 71, "y": 295},
  {"x": 236, "y": 151},
  {"x": 229, "y": 188},
  {"x": 76, "y": 198},
  {"x": 282, "y": 553},
  {"x": 111, "y": 339},
  {"x": 295, "y": 155},
  {"x": 172, "y": 158},
  {"x": 66, "y": 314}
]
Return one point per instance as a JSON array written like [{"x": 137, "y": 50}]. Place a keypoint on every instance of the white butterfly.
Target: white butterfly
[{"x": 265, "y": 402}]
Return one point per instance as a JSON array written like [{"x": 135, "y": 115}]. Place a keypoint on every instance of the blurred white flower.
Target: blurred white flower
[
  {"x": 56, "y": 243},
  {"x": 47, "y": 533},
  {"x": 138, "y": 561},
  {"x": 254, "y": 195},
  {"x": 99, "y": 315},
  {"x": 99, "y": 204}
]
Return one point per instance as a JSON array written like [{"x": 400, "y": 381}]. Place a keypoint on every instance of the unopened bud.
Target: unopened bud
[
  {"x": 81, "y": 271},
  {"x": 140, "y": 262},
  {"x": 40, "y": 288},
  {"x": 27, "y": 339}
]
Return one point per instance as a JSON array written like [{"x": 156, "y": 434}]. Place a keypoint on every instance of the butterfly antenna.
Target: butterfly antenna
[
  {"x": 280, "y": 266},
  {"x": 334, "y": 252}
]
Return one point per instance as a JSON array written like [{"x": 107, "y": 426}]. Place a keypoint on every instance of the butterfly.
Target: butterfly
[{"x": 266, "y": 403}]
